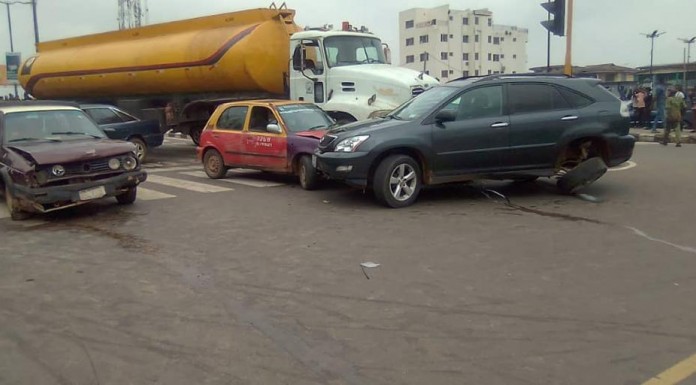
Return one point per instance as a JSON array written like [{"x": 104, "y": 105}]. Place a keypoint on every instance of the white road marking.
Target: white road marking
[
  {"x": 245, "y": 182},
  {"x": 170, "y": 169},
  {"x": 145, "y": 194},
  {"x": 624, "y": 166},
  {"x": 185, "y": 184}
]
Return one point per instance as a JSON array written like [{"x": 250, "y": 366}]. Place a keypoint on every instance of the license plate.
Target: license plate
[
  {"x": 92, "y": 193},
  {"x": 314, "y": 161}
]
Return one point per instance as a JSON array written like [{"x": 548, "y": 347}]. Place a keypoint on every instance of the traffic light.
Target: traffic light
[{"x": 556, "y": 25}]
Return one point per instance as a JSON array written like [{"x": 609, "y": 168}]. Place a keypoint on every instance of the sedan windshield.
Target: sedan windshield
[
  {"x": 352, "y": 50},
  {"x": 304, "y": 117},
  {"x": 52, "y": 125},
  {"x": 422, "y": 105}
]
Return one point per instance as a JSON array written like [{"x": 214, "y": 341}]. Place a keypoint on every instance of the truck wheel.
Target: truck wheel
[
  {"x": 195, "y": 134},
  {"x": 582, "y": 175},
  {"x": 140, "y": 148},
  {"x": 214, "y": 165},
  {"x": 309, "y": 179},
  {"x": 15, "y": 213},
  {"x": 127, "y": 197},
  {"x": 396, "y": 182}
]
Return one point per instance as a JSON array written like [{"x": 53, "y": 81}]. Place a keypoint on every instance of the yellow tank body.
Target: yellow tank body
[{"x": 245, "y": 51}]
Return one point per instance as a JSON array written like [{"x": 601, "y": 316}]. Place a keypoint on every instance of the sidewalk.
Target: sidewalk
[{"x": 644, "y": 135}]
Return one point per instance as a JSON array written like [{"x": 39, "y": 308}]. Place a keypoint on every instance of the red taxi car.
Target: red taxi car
[{"x": 269, "y": 135}]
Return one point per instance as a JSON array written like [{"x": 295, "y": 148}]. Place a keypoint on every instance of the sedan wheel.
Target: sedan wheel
[
  {"x": 140, "y": 149},
  {"x": 214, "y": 165}
]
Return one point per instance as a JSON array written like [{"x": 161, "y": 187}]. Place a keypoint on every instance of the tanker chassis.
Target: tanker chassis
[{"x": 178, "y": 72}]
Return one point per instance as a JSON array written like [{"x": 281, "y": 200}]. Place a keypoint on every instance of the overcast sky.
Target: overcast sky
[{"x": 606, "y": 31}]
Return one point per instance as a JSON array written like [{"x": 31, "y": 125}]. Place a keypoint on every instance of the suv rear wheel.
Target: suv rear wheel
[
  {"x": 582, "y": 175},
  {"x": 397, "y": 182}
]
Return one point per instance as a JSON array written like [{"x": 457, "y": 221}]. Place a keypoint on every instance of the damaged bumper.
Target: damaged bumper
[{"x": 47, "y": 199}]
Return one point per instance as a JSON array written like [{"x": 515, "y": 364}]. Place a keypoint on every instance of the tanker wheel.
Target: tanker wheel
[{"x": 195, "y": 134}]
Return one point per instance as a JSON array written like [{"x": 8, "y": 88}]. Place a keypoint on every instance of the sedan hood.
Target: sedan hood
[
  {"x": 318, "y": 134},
  {"x": 70, "y": 151}
]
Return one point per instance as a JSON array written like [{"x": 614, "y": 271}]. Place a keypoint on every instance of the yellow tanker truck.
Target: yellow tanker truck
[{"x": 180, "y": 71}]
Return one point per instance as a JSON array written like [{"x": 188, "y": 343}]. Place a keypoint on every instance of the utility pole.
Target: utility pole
[
  {"x": 568, "y": 68},
  {"x": 652, "y": 36},
  {"x": 9, "y": 24},
  {"x": 687, "y": 58},
  {"x": 548, "y": 43},
  {"x": 36, "y": 24}
]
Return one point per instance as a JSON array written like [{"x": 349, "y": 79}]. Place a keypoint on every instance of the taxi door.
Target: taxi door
[
  {"x": 265, "y": 141},
  {"x": 228, "y": 134}
]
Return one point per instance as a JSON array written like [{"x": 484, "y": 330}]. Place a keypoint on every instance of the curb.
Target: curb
[{"x": 687, "y": 137}]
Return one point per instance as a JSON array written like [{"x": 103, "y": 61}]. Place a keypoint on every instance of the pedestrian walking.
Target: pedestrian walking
[
  {"x": 639, "y": 106},
  {"x": 674, "y": 106},
  {"x": 647, "y": 112},
  {"x": 660, "y": 99}
]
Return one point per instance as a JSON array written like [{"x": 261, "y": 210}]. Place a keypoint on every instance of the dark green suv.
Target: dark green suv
[{"x": 494, "y": 127}]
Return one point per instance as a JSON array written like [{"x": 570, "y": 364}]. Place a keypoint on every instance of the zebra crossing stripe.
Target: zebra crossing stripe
[
  {"x": 145, "y": 194},
  {"x": 185, "y": 184},
  {"x": 245, "y": 182},
  {"x": 169, "y": 169}
]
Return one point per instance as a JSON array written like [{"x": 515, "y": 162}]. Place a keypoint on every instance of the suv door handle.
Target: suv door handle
[
  {"x": 569, "y": 117},
  {"x": 500, "y": 124}
]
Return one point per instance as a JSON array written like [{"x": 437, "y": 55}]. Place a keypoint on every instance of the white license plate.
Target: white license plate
[
  {"x": 92, "y": 193},
  {"x": 314, "y": 161}
]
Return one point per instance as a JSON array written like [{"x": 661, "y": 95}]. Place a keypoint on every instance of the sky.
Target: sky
[{"x": 605, "y": 31}]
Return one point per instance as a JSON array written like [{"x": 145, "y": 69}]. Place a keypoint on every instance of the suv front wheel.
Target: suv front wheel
[{"x": 397, "y": 182}]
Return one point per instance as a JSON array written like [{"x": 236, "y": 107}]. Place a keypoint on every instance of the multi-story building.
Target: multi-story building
[{"x": 448, "y": 43}]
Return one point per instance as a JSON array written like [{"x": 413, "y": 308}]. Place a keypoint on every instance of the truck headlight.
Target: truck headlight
[{"x": 350, "y": 144}]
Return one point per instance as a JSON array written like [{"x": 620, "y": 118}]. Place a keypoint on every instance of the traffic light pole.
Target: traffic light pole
[
  {"x": 568, "y": 70},
  {"x": 548, "y": 44}
]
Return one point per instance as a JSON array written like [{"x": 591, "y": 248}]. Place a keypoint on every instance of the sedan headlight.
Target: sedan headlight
[
  {"x": 350, "y": 144},
  {"x": 58, "y": 170},
  {"x": 130, "y": 163},
  {"x": 114, "y": 163}
]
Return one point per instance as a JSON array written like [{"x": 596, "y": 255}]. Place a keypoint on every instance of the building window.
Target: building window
[
  {"x": 444, "y": 74},
  {"x": 476, "y": 56},
  {"x": 514, "y": 39},
  {"x": 514, "y": 56},
  {"x": 490, "y": 22},
  {"x": 465, "y": 21},
  {"x": 443, "y": 55},
  {"x": 502, "y": 39},
  {"x": 476, "y": 73},
  {"x": 476, "y": 38},
  {"x": 465, "y": 39},
  {"x": 502, "y": 56},
  {"x": 496, "y": 57},
  {"x": 451, "y": 72},
  {"x": 451, "y": 54},
  {"x": 451, "y": 18},
  {"x": 410, "y": 59},
  {"x": 496, "y": 40},
  {"x": 476, "y": 20},
  {"x": 409, "y": 41},
  {"x": 433, "y": 22},
  {"x": 424, "y": 56},
  {"x": 465, "y": 74},
  {"x": 423, "y": 39},
  {"x": 451, "y": 36},
  {"x": 409, "y": 24},
  {"x": 489, "y": 57},
  {"x": 465, "y": 56},
  {"x": 443, "y": 37},
  {"x": 489, "y": 39},
  {"x": 489, "y": 72}
]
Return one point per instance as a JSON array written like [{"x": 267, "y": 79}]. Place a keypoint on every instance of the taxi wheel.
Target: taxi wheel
[
  {"x": 214, "y": 165},
  {"x": 127, "y": 197},
  {"x": 15, "y": 213},
  {"x": 309, "y": 178}
]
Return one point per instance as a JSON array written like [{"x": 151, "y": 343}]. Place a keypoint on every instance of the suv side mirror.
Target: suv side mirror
[
  {"x": 274, "y": 129},
  {"x": 445, "y": 116}
]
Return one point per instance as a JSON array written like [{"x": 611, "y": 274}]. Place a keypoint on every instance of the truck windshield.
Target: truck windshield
[
  {"x": 54, "y": 125},
  {"x": 352, "y": 50},
  {"x": 423, "y": 104},
  {"x": 304, "y": 117}
]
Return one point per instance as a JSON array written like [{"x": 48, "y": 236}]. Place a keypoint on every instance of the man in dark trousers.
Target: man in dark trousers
[{"x": 660, "y": 99}]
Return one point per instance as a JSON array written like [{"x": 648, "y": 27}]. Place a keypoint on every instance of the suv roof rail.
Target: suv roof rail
[
  {"x": 526, "y": 75},
  {"x": 466, "y": 77}
]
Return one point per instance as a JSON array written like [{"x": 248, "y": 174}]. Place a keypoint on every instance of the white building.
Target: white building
[{"x": 452, "y": 43}]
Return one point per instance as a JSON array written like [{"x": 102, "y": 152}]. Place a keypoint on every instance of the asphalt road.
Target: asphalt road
[{"x": 251, "y": 280}]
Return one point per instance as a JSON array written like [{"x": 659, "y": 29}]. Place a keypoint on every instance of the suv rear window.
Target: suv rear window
[
  {"x": 575, "y": 99},
  {"x": 526, "y": 98}
]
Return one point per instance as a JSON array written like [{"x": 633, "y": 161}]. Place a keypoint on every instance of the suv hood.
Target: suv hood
[
  {"x": 365, "y": 127},
  {"x": 70, "y": 151}
]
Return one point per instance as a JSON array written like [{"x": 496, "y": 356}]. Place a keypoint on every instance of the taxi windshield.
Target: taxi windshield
[{"x": 304, "y": 117}]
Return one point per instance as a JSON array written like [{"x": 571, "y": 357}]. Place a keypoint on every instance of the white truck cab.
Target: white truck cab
[{"x": 347, "y": 74}]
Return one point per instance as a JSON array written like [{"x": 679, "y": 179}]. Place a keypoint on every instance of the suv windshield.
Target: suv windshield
[
  {"x": 48, "y": 125},
  {"x": 352, "y": 50},
  {"x": 422, "y": 104},
  {"x": 303, "y": 117}
]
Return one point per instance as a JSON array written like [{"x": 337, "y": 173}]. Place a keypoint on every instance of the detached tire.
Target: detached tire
[
  {"x": 127, "y": 197},
  {"x": 307, "y": 174},
  {"x": 214, "y": 165},
  {"x": 582, "y": 175},
  {"x": 15, "y": 213},
  {"x": 140, "y": 149},
  {"x": 397, "y": 182}
]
